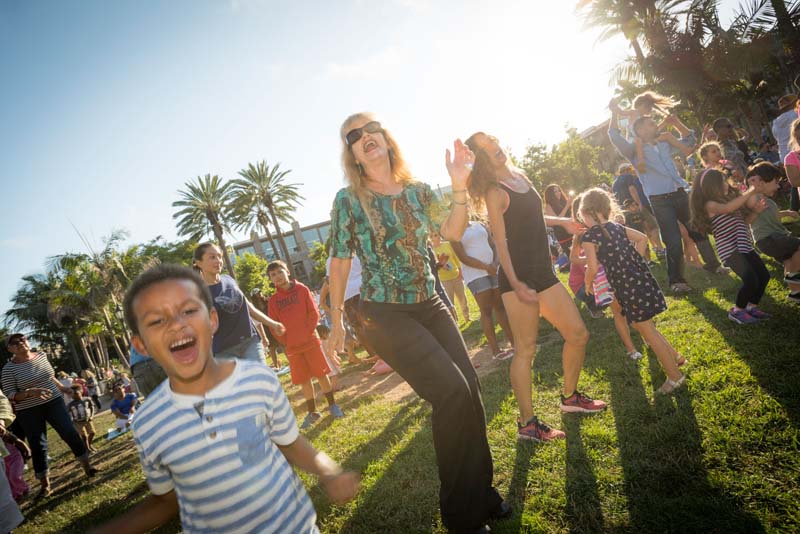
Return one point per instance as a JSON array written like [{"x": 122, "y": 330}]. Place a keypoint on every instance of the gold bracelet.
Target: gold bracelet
[
  {"x": 459, "y": 191},
  {"x": 460, "y": 203}
]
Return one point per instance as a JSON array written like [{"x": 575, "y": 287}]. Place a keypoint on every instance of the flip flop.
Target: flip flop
[{"x": 503, "y": 355}]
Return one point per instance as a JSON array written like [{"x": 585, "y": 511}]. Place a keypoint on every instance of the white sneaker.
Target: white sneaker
[{"x": 635, "y": 355}]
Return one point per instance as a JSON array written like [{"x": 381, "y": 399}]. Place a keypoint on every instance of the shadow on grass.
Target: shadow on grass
[
  {"x": 769, "y": 348},
  {"x": 584, "y": 509},
  {"x": 661, "y": 454},
  {"x": 407, "y": 491}
]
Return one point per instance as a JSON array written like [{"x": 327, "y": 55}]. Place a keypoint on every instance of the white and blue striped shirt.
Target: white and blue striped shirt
[{"x": 224, "y": 465}]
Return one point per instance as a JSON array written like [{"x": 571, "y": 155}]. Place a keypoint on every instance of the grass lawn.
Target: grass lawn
[{"x": 719, "y": 456}]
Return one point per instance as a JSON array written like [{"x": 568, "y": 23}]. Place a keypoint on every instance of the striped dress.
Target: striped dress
[
  {"x": 731, "y": 234},
  {"x": 34, "y": 373},
  {"x": 220, "y": 455}
]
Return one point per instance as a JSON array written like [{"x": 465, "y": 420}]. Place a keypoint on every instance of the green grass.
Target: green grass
[{"x": 719, "y": 456}]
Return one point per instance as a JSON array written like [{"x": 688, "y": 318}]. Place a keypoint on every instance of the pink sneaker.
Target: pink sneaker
[
  {"x": 580, "y": 403},
  {"x": 535, "y": 430}
]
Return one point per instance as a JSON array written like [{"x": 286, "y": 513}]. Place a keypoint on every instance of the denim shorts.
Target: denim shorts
[{"x": 479, "y": 285}]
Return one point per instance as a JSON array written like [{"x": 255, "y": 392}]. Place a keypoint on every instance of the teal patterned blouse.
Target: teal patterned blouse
[{"x": 394, "y": 257}]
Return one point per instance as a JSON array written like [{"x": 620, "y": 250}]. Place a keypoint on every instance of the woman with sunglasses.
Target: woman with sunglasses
[
  {"x": 30, "y": 383},
  {"x": 383, "y": 216},
  {"x": 528, "y": 284}
]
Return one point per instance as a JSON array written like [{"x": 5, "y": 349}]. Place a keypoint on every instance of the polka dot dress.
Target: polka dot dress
[{"x": 634, "y": 286}]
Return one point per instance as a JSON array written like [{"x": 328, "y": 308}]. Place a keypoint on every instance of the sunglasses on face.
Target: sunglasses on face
[
  {"x": 18, "y": 341},
  {"x": 356, "y": 133}
]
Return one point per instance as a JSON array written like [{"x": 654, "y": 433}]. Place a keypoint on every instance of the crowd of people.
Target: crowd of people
[{"x": 217, "y": 437}]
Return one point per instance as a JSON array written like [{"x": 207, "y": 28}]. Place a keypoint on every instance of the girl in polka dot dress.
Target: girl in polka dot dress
[{"x": 634, "y": 287}]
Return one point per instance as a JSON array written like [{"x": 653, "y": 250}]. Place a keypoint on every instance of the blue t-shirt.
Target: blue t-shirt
[
  {"x": 235, "y": 325},
  {"x": 621, "y": 191},
  {"x": 124, "y": 406},
  {"x": 137, "y": 357}
]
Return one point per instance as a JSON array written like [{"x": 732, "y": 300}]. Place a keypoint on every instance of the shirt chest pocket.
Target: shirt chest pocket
[{"x": 251, "y": 438}]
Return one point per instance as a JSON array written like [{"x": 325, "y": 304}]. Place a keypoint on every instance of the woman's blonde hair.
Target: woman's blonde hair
[
  {"x": 596, "y": 201},
  {"x": 656, "y": 101},
  {"x": 354, "y": 172},
  {"x": 704, "y": 149}
]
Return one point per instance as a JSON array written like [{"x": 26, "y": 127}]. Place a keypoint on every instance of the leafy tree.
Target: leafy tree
[
  {"x": 204, "y": 210},
  {"x": 572, "y": 164},
  {"x": 251, "y": 273},
  {"x": 261, "y": 198},
  {"x": 319, "y": 255}
]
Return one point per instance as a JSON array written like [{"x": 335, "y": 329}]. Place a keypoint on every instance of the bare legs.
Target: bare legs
[
  {"x": 558, "y": 308},
  {"x": 489, "y": 303},
  {"x": 666, "y": 354},
  {"x": 621, "y": 324}
]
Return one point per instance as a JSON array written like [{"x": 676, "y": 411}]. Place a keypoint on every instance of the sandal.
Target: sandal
[
  {"x": 681, "y": 361},
  {"x": 671, "y": 385},
  {"x": 503, "y": 355},
  {"x": 43, "y": 493}
]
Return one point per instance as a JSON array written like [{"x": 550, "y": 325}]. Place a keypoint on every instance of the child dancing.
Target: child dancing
[
  {"x": 635, "y": 289},
  {"x": 717, "y": 208}
]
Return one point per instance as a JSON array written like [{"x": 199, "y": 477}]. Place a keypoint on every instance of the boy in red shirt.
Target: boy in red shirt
[{"x": 293, "y": 305}]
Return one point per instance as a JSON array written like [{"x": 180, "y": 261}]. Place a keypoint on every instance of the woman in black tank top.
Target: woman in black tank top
[{"x": 528, "y": 283}]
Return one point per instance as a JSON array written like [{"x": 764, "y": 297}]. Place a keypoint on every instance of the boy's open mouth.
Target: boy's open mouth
[{"x": 183, "y": 350}]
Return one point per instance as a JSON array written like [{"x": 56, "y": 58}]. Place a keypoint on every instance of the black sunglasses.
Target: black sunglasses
[
  {"x": 18, "y": 341},
  {"x": 355, "y": 134}
]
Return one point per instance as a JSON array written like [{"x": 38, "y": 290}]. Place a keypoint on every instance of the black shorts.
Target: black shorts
[
  {"x": 538, "y": 279},
  {"x": 779, "y": 246}
]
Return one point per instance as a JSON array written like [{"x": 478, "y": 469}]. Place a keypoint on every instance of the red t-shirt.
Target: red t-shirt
[{"x": 296, "y": 309}]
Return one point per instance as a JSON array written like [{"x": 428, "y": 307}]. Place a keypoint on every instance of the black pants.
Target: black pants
[
  {"x": 670, "y": 209},
  {"x": 754, "y": 275},
  {"x": 422, "y": 343},
  {"x": 34, "y": 422},
  {"x": 352, "y": 309}
]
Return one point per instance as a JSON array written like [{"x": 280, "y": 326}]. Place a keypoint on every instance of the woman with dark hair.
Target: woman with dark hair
[
  {"x": 557, "y": 204},
  {"x": 237, "y": 335},
  {"x": 383, "y": 216},
  {"x": 528, "y": 284},
  {"x": 30, "y": 383}
]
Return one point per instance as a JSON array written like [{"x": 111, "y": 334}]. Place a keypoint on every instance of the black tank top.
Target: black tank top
[{"x": 526, "y": 238}]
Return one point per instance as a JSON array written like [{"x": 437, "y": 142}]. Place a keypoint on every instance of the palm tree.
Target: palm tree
[
  {"x": 262, "y": 198},
  {"x": 99, "y": 278},
  {"x": 204, "y": 209}
]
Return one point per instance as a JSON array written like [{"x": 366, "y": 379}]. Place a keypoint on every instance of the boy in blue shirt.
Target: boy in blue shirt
[
  {"x": 218, "y": 440},
  {"x": 123, "y": 406}
]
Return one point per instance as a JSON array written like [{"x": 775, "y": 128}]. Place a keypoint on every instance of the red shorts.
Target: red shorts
[{"x": 307, "y": 363}]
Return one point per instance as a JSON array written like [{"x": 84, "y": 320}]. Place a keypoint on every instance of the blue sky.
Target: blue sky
[{"x": 108, "y": 108}]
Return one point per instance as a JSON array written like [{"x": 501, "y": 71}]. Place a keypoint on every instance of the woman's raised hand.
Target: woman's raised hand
[{"x": 459, "y": 166}]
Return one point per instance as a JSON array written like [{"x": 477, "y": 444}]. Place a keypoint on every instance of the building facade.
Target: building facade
[{"x": 299, "y": 241}]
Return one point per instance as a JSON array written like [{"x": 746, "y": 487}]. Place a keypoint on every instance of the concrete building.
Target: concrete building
[
  {"x": 298, "y": 240},
  {"x": 598, "y": 136}
]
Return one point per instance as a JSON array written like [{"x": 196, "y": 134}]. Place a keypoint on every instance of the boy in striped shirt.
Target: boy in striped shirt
[{"x": 218, "y": 440}]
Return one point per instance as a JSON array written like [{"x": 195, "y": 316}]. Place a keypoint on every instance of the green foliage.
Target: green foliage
[
  {"x": 251, "y": 273},
  {"x": 261, "y": 198},
  {"x": 319, "y": 255},
  {"x": 572, "y": 164},
  {"x": 680, "y": 48},
  {"x": 205, "y": 209}
]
